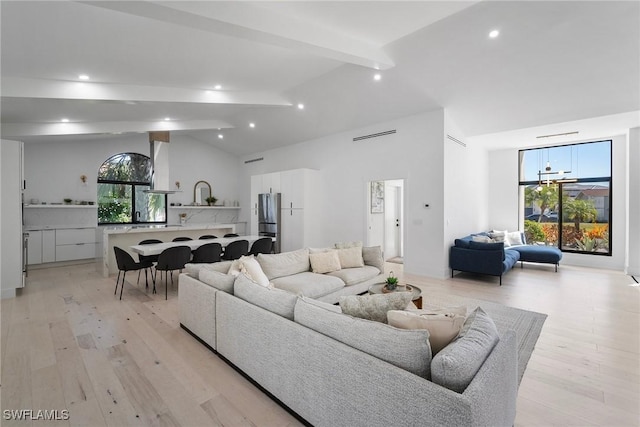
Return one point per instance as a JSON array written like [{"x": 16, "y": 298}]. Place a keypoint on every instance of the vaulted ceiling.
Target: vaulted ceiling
[{"x": 553, "y": 62}]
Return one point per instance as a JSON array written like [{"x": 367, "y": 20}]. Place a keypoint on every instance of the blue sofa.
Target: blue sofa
[{"x": 494, "y": 259}]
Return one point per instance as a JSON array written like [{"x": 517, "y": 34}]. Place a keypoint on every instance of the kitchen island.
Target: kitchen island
[{"x": 125, "y": 236}]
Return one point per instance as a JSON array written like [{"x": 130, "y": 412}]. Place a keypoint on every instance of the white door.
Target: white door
[
  {"x": 393, "y": 220},
  {"x": 385, "y": 228}
]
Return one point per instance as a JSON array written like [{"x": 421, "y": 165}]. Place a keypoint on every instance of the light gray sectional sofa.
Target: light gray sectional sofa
[{"x": 332, "y": 369}]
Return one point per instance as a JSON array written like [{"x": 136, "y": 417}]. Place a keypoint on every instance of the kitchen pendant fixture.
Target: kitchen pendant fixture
[{"x": 159, "y": 154}]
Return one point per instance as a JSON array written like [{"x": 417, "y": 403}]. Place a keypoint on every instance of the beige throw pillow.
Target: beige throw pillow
[
  {"x": 324, "y": 262},
  {"x": 443, "y": 324},
  {"x": 251, "y": 268},
  {"x": 351, "y": 257}
]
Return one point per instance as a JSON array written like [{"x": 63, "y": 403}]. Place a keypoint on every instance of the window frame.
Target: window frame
[
  {"x": 133, "y": 185},
  {"x": 560, "y": 223}
]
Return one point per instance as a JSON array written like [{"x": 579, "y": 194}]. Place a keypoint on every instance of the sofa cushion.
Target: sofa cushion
[
  {"x": 486, "y": 246},
  {"x": 455, "y": 366},
  {"x": 406, "y": 349},
  {"x": 535, "y": 253},
  {"x": 272, "y": 299},
  {"x": 352, "y": 276},
  {"x": 374, "y": 307},
  {"x": 372, "y": 255},
  {"x": 221, "y": 281},
  {"x": 350, "y": 257},
  {"x": 284, "y": 264},
  {"x": 324, "y": 262},
  {"x": 511, "y": 256},
  {"x": 309, "y": 284},
  {"x": 443, "y": 324},
  {"x": 462, "y": 243},
  {"x": 194, "y": 269}
]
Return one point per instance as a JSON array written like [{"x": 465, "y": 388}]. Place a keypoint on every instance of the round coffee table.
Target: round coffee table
[{"x": 416, "y": 292}]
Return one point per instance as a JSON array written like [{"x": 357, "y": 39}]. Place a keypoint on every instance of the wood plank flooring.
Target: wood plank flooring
[{"x": 68, "y": 343}]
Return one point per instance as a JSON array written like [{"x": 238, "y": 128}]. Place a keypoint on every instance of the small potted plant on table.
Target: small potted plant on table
[{"x": 391, "y": 282}]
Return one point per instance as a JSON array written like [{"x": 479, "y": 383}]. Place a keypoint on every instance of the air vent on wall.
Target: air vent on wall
[
  {"x": 575, "y": 132},
  {"x": 456, "y": 140},
  {"x": 254, "y": 160},
  {"x": 374, "y": 135}
]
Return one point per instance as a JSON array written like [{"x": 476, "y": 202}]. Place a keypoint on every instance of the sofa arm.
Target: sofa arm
[
  {"x": 197, "y": 303},
  {"x": 476, "y": 261}
]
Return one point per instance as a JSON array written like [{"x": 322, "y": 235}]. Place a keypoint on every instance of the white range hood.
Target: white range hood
[{"x": 159, "y": 153}]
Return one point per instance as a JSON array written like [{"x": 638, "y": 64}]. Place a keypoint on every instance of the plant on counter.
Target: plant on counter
[
  {"x": 211, "y": 200},
  {"x": 67, "y": 201}
]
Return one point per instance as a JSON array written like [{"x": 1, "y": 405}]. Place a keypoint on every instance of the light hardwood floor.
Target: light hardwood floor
[{"x": 68, "y": 343}]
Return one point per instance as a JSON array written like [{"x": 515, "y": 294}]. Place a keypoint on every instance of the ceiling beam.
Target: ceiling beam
[
  {"x": 16, "y": 130},
  {"x": 245, "y": 21},
  {"x": 19, "y": 87}
]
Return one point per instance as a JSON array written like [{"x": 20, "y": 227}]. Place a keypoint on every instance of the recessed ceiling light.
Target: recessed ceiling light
[
  {"x": 252, "y": 125},
  {"x": 220, "y": 136},
  {"x": 83, "y": 77},
  {"x": 377, "y": 77},
  {"x": 217, "y": 87},
  {"x": 494, "y": 33},
  {"x": 300, "y": 106},
  {"x": 65, "y": 120},
  {"x": 166, "y": 119}
]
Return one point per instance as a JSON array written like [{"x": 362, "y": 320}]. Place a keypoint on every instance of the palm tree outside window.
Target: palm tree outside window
[
  {"x": 122, "y": 181},
  {"x": 567, "y": 196}
]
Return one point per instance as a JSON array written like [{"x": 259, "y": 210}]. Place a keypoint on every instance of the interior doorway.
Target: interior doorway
[{"x": 385, "y": 218}]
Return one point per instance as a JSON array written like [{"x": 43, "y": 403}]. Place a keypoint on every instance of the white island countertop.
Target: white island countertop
[{"x": 150, "y": 228}]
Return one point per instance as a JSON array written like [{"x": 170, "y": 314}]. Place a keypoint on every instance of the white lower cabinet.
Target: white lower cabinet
[
  {"x": 34, "y": 250},
  {"x": 48, "y": 245},
  {"x": 75, "y": 243}
]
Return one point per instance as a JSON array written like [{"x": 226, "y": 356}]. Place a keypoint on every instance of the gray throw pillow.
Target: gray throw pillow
[
  {"x": 455, "y": 366},
  {"x": 374, "y": 307}
]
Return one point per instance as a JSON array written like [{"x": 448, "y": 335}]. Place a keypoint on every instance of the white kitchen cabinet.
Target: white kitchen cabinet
[
  {"x": 75, "y": 244},
  {"x": 271, "y": 183},
  {"x": 34, "y": 252},
  {"x": 298, "y": 186},
  {"x": 48, "y": 246},
  {"x": 293, "y": 233}
]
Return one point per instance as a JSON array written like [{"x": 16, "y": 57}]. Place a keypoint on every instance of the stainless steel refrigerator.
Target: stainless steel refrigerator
[{"x": 269, "y": 223}]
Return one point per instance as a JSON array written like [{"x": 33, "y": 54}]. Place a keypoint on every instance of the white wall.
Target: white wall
[
  {"x": 11, "y": 221},
  {"x": 504, "y": 208},
  {"x": 414, "y": 153},
  {"x": 632, "y": 263},
  {"x": 53, "y": 169},
  {"x": 465, "y": 187}
]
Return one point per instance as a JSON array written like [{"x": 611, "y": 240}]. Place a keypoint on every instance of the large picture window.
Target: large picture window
[
  {"x": 567, "y": 196},
  {"x": 122, "y": 181}
]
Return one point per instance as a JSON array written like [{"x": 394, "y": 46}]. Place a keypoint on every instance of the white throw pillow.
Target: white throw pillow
[
  {"x": 324, "y": 262},
  {"x": 443, "y": 324},
  {"x": 351, "y": 257},
  {"x": 514, "y": 238},
  {"x": 236, "y": 265},
  {"x": 251, "y": 268}
]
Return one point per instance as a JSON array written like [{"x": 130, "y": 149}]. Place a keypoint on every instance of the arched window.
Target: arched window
[{"x": 122, "y": 181}]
